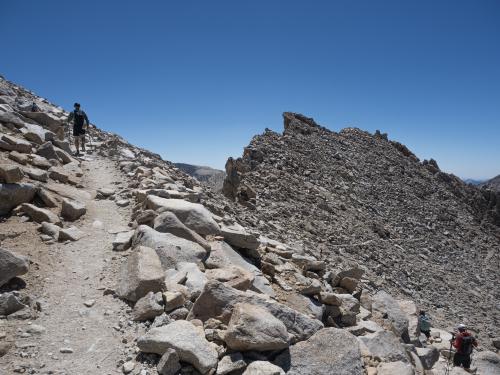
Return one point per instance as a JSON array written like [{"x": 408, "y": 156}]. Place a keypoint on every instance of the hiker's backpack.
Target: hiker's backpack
[
  {"x": 467, "y": 345},
  {"x": 79, "y": 118}
]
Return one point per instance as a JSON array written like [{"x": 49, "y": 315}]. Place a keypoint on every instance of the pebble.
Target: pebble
[
  {"x": 66, "y": 350},
  {"x": 89, "y": 303},
  {"x": 128, "y": 367}
]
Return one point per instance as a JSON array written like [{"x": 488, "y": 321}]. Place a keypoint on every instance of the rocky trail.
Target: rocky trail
[{"x": 119, "y": 262}]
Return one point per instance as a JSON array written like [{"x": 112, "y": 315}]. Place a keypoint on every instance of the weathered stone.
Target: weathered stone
[
  {"x": 239, "y": 237},
  {"x": 330, "y": 299},
  {"x": 148, "y": 307},
  {"x": 50, "y": 229},
  {"x": 48, "y": 151},
  {"x": 349, "y": 283},
  {"x": 141, "y": 274},
  {"x": 167, "y": 222},
  {"x": 195, "y": 280},
  {"x": 231, "y": 363},
  {"x": 40, "y": 162},
  {"x": 487, "y": 363},
  {"x": 9, "y": 303},
  {"x": 11, "y": 265},
  {"x": 386, "y": 312},
  {"x": 45, "y": 119},
  {"x": 384, "y": 345},
  {"x": 72, "y": 210},
  {"x": 11, "y": 143},
  {"x": 263, "y": 368},
  {"x": 254, "y": 328},
  {"x": 329, "y": 351},
  {"x": 123, "y": 240},
  {"x": 12, "y": 195},
  {"x": 70, "y": 234},
  {"x": 171, "y": 249},
  {"x": 47, "y": 198},
  {"x": 395, "y": 368},
  {"x": 172, "y": 300},
  {"x": 36, "y": 174},
  {"x": 17, "y": 156},
  {"x": 186, "y": 340},
  {"x": 193, "y": 215},
  {"x": 169, "y": 363},
  {"x": 218, "y": 300},
  {"x": 428, "y": 356},
  {"x": 10, "y": 173},
  {"x": 58, "y": 174},
  {"x": 40, "y": 214},
  {"x": 233, "y": 276},
  {"x": 308, "y": 263}
]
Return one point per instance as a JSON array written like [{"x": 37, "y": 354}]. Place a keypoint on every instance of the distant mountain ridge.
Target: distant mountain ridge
[
  {"x": 207, "y": 175},
  {"x": 493, "y": 184}
]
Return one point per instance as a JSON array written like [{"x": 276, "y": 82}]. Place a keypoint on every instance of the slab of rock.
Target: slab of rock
[
  {"x": 172, "y": 300},
  {"x": 169, "y": 363},
  {"x": 45, "y": 119},
  {"x": 233, "y": 276},
  {"x": 384, "y": 345},
  {"x": 48, "y": 151},
  {"x": 50, "y": 229},
  {"x": 11, "y": 143},
  {"x": 195, "y": 280},
  {"x": 186, "y": 340},
  {"x": 487, "y": 363},
  {"x": 387, "y": 312},
  {"x": 218, "y": 300},
  {"x": 17, "y": 156},
  {"x": 58, "y": 174},
  {"x": 10, "y": 303},
  {"x": 12, "y": 195},
  {"x": 36, "y": 174},
  {"x": 141, "y": 274},
  {"x": 104, "y": 193},
  {"x": 40, "y": 162},
  {"x": 329, "y": 351},
  {"x": 193, "y": 215},
  {"x": 123, "y": 240},
  {"x": 428, "y": 356},
  {"x": 70, "y": 234},
  {"x": 254, "y": 328},
  {"x": 395, "y": 368},
  {"x": 11, "y": 265},
  {"x": 171, "y": 249},
  {"x": 10, "y": 173},
  {"x": 231, "y": 363},
  {"x": 40, "y": 215},
  {"x": 148, "y": 307},
  {"x": 239, "y": 237},
  {"x": 72, "y": 210},
  {"x": 263, "y": 368},
  {"x": 47, "y": 198},
  {"x": 167, "y": 222}
]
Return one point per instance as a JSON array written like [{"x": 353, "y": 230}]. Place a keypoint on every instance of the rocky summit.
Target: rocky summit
[{"x": 314, "y": 258}]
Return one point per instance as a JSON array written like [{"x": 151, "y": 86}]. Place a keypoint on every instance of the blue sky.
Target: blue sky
[{"x": 195, "y": 80}]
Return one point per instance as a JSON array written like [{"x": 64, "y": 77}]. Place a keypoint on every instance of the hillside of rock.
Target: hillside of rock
[
  {"x": 118, "y": 262},
  {"x": 493, "y": 184},
  {"x": 209, "y": 176},
  {"x": 417, "y": 231}
]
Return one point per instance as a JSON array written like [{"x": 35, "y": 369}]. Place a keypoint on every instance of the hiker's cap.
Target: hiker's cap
[
  {"x": 461, "y": 327},
  {"x": 76, "y": 105}
]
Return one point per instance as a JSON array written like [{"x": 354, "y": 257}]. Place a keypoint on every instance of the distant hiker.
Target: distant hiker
[
  {"x": 34, "y": 107},
  {"x": 79, "y": 118},
  {"x": 424, "y": 324},
  {"x": 464, "y": 342}
]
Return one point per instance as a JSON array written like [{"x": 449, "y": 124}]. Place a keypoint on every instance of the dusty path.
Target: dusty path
[{"x": 80, "y": 273}]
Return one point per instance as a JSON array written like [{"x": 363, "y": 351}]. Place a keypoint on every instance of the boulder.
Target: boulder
[
  {"x": 186, "y": 339},
  {"x": 148, "y": 307},
  {"x": 141, "y": 274},
  {"x": 40, "y": 162},
  {"x": 387, "y": 312},
  {"x": 40, "y": 214},
  {"x": 12, "y": 195},
  {"x": 395, "y": 368},
  {"x": 47, "y": 151},
  {"x": 123, "y": 240},
  {"x": 195, "y": 280},
  {"x": 263, "y": 368},
  {"x": 45, "y": 119},
  {"x": 428, "y": 356},
  {"x": 329, "y": 351},
  {"x": 194, "y": 215},
  {"x": 36, "y": 174},
  {"x": 167, "y": 222},
  {"x": 254, "y": 328},
  {"x": 47, "y": 198},
  {"x": 72, "y": 210},
  {"x": 218, "y": 300},
  {"x": 169, "y": 363},
  {"x": 233, "y": 276},
  {"x": 59, "y": 174},
  {"x": 50, "y": 230},
  {"x": 10, "y": 143},
  {"x": 239, "y": 237},
  {"x": 10, "y": 173},
  {"x": 70, "y": 234},
  {"x": 171, "y": 249},
  {"x": 230, "y": 364},
  {"x": 173, "y": 300},
  {"x": 11, "y": 265},
  {"x": 487, "y": 363},
  {"x": 18, "y": 157},
  {"x": 10, "y": 303},
  {"x": 385, "y": 345}
]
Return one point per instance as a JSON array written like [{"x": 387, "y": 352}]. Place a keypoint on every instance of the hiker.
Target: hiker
[
  {"x": 34, "y": 107},
  {"x": 80, "y": 118},
  {"x": 464, "y": 342},
  {"x": 424, "y": 324}
]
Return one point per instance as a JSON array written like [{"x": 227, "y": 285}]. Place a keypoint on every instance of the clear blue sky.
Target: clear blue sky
[{"x": 195, "y": 80}]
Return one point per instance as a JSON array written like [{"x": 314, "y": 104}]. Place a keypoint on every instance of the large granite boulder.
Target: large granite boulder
[
  {"x": 11, "y": 265},
  {"x": 167, "y": 222},
  {"x": 384, "y": 345},
  {"x": 12, "y": 195},
  {"x": 387, "y": 312}
]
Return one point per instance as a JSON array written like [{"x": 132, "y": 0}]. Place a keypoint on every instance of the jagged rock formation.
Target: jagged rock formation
[
  {"x": 206, "y": 175},
  {"x": 418, "y": 231},
  {"x": 493, "y": 184},
  {"x": 177, "y": 279}
]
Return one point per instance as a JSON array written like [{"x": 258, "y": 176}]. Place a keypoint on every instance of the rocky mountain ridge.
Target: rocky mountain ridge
[
  {"x": 207, "y": 175},
  {"x": 493, "y": 184},
  {"x": 119, "y": 262}
]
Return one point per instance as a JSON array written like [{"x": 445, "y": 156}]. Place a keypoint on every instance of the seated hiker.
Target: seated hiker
[
  {"x": 79, "y": 119},
  {"x": 464, "y": 343},
  {"x": 424, "y": 324}
]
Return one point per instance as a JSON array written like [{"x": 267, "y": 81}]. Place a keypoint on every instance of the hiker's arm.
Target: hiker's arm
[
  {"x": 70, "y": 117},
  {"x": 86, "y": 119},
  {"x": 457, "y": 342}
]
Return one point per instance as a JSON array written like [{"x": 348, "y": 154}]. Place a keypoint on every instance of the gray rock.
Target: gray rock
[
  {"x": 387, "y": 312},
  {"x": 10, "y": 303},
  {"x": 123, "y": 240},
  {"x": 186, "y": 340},
  {"x": 141, "y": 274},
  {"x": 329, "y": 351},
  {"x": 10, "y": 173},
  {"x": 40, "y": 214},
  {"x": 169, "y": 363},
  {"x": 47, "y": 198},
  {"x": 36, "y": 174},
  {"x": 17, "y": 156},
  {"x": 233, "y": 276},
  {"x": 148, "y": 307},
  {"x": 170, "y": 249},
  {"x": 12, "y": 195},
  {"x": 50, "y": 229},
  {"x": 428, "y": 356},
  {"x": 11, "y": 265},
  {"x": 59, "y": 174},
  {"x": 218, "y": 300},
  {"x": 40, "y": 162},
  {"x": 254, "y": 328},
  {"x": 167, "y": 222},
  {"x": 384, "y": 345},
  {"x": 195, "y": 279},
  {"x": 72, "y": 210},
  {"x": 487, "y": 363},
  {"x": 45, "y": 119},
  {"x": 70, "y": 234},
  {"x": 193, "y": 215},
  {"x": 161, "y": 320},
  {"x": 238, "y": 236},
  {"x": 263, "y": 368},
  {"x": 48, "y": 151},
  {"x": 231, "y": 363},
  {"x": 11, "y": 143},
  {"x": 172, "y": 300},
  {"x": 395, "y": 368}
]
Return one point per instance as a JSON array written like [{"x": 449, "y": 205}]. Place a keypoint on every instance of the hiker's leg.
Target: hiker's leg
[
  {"x": 83, "y": 141},
  {"x": 77, "y": 144}
]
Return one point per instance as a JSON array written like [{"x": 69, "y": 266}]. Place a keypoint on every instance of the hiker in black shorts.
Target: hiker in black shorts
[{"x": 79, "y": 119}]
